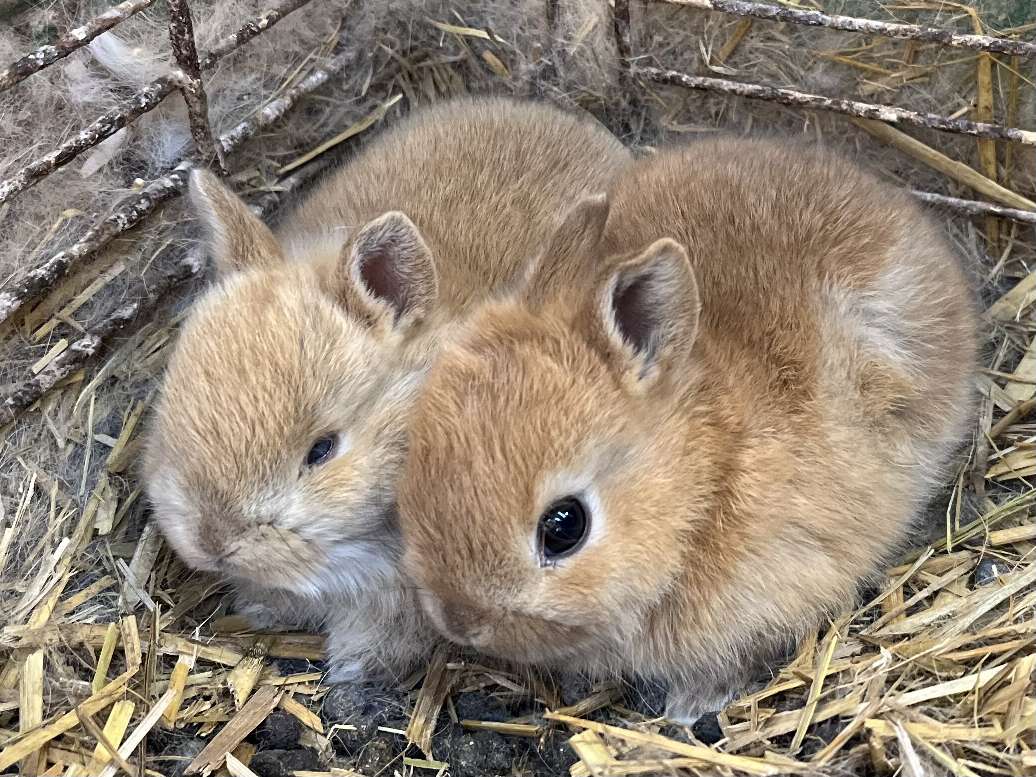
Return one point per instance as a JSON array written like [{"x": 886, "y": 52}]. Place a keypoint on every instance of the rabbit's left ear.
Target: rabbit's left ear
[
  {"x": 570, "y": 256},
  {"x": 237, "y": 238}
]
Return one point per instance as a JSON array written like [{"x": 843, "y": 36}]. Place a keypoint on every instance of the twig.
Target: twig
[
  {"x": 621, "y": 27},
  {"x": 127, "y": 214},
  {"x": 110, "y": 122},
  {"x": 68, "y": 362},
  {"x": 885, "y": 113},
  {"x": 936, "y": 160},
  {"x": 173, "y": 267},
  {"x": 74, "y": 39},
  {"x": 181, "y": 38},
  {"x": 275, "y": 109},
  {"x": 136, "y": 105},
  {"x": 866, "y": 26},
  {"x": 976, "y": 208}
]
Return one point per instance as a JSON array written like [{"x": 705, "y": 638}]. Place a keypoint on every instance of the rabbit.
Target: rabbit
[
  {"x": 279, "y": 430},
  {"x": 715, "y": 407}
]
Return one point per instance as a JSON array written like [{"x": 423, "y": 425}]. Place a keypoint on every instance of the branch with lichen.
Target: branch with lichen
[
  {"x": 130, "y": 211},
  {"x": 136, "y": 105},
  {"x": 976, "y": 208},
  {"x": 74, "y": 39},
  {"x": 899, "y": 30},
  {"x": 172, "y": 267},
  {"x": 886, "y": 113},
  {"x": 181, "y": 39}
]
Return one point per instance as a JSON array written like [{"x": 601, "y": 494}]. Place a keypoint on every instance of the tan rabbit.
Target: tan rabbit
[
  {"x": 716, "y": 408},
  {"x": 280, "y": 429}
]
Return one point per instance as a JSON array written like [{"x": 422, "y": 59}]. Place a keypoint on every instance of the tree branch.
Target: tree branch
[
  {"x": 130, "y": 211},
  {"x": 866, "y": 26},
  {"x": 136, "y": 105},
  {"x": 173, "y": 266},
  {"x": 181, "y": 38},
  {"x": 886, "y": 113},
  {"x": 72, "y": 40}
]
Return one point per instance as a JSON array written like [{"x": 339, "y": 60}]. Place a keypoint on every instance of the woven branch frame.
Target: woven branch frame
[{"x": 211, "y": 150}]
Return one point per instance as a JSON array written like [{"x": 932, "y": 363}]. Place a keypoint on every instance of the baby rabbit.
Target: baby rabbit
[
  {"x": 280, "y": 429},
  {"x": 715, "y": 408}
]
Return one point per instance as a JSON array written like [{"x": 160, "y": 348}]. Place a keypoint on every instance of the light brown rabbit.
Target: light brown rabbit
[
  {"x": 280, "y": 429},
  {"x": 716, "y": 408}
]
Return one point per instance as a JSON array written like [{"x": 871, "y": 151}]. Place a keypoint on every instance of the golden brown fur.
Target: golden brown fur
[
  {"x": 324, "y": 332},
  {"x": 753, "y": 377}
]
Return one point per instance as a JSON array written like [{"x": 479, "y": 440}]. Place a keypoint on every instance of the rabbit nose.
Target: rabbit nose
[
  {"x": 220, "y": 536},
  {"x": 465, "y": 624}
]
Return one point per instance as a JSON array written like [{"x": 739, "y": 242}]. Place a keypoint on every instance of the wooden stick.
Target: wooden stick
[
  {"x": 104, "y": 126},
  {"x": 622, "y": 32},
  {"x": 172, "y": 266},
  {"x": 134, "y": 106},
  {"x": 74, "y": 39},
  {"x": 130, "y": 211},
  {"x": 936, "y": 160},
  {"x": 181, "y": 38},
  {"x": 886, "y": 113},
  {"x": 975, "y": 208},
  {"x": 276, "y": 109},
  {"x": 621, "y": 28},
  {"x": 127, "y": 214},
  {"x": 240, "y": 726},
  {"x": 866, "y": 26}
]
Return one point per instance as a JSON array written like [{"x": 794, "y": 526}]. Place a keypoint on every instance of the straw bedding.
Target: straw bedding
[{"x": 114, "y": 657}]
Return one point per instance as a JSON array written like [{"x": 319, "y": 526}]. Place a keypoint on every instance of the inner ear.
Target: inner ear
[
  {"x": 381, "y": 276},
  {"x": 635, "y": 314},
  {"x": 649, "y": 310},
  {"x": 390, "y": 269}
]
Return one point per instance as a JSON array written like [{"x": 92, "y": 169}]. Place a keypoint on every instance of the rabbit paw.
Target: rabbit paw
[
  {"x": 261, "y": 617},
  {"x": 684, "y": 706},
  {"x": 347, "y": 673}
]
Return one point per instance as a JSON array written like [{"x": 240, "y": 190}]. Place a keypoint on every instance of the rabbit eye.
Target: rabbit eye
[
  {"x": 321, "y": 451},
  {"x": 562, "y": 528}
]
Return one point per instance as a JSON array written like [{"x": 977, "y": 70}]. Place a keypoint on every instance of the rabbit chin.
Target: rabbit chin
[
  {"x": 346, "y": 569},
  {"x": 514, "y": 637}
]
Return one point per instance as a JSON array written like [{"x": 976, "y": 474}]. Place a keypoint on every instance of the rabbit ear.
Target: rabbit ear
[
  {"x": 237, "y": 238},
  {"x": 570, "y": 255},
  {"x": 389, "y": 271},
  {"x": 647, "y": 311}
]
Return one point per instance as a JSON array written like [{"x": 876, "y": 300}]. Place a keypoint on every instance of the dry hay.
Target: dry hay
[{"x": 113, "y": 657}]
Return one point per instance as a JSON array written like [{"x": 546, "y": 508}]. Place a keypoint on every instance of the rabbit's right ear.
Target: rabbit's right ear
[
  {"x": 646, "y": 315},
  {"x": 388, "y": 273},
  {"x": 570, "y": 257},
  {"x": 238, "y": 239}
]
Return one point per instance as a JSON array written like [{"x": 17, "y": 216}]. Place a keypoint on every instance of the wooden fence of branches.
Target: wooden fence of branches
[{"x": 187, "y": 77}]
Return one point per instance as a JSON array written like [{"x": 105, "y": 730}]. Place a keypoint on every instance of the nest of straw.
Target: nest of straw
[{"x": 114, "y": 658}]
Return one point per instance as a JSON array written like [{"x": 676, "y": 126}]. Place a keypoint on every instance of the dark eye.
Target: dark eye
[
  {"x": 562, "y": 528},
  {"x": 321, "y": 451}
]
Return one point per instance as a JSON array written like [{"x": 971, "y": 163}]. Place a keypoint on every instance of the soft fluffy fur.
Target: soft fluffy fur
[
  {"x": 753, "y": 430},
  {"x": 327, "y": 330}
]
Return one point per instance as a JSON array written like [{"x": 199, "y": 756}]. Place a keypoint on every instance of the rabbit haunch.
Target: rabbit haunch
[
  {"x": 281, "y": 425},
  {"x": 748, "y": 366}
]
